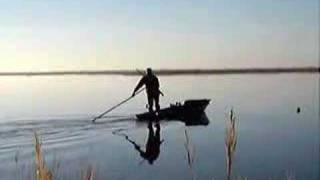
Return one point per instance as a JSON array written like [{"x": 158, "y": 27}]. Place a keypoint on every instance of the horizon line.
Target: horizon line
[{"x": 170, "y": 72}]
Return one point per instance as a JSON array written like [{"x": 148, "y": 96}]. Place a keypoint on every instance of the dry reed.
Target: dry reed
[
  {"x": 190, "y": 154},
  {"x": 42, "y": 172},
  {"x": 230, "y": 142},
  {"x": 89, "y": 174}
]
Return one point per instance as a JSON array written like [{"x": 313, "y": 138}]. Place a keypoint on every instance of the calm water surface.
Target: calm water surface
[{"x": 273, "y": 140}]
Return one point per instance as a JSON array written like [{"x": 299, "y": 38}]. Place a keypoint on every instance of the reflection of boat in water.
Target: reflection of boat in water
[{"x": 192, "y": 112}]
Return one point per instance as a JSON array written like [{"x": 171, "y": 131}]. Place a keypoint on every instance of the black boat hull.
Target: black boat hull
[{"x": 191, "y": 110}]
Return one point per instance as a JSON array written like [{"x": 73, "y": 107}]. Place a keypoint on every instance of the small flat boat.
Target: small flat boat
[{"x": 188, "y": 111}]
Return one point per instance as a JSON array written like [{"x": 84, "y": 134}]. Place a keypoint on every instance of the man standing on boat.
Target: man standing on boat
[{"x": 151, "y": 82}]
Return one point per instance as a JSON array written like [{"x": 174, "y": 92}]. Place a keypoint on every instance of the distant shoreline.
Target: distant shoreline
[{"x": 171, "y": 72}]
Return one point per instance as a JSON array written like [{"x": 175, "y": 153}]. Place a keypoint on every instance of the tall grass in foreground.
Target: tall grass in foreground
[
  {"x": 230, "y": 142},
  {"x": 89, "y": 174},
  {"x": 190, "y": 154},
  {"x": 43, "y": 173}
]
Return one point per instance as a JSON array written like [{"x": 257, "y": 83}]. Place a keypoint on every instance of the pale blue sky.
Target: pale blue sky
[{"x": 126, "y": 34}]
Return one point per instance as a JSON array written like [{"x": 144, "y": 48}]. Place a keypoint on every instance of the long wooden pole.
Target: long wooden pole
[{"x": 114, "y": 107}]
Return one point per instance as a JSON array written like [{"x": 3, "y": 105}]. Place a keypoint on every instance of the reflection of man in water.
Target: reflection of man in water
[{"x": 153, "y": 144}]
